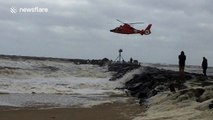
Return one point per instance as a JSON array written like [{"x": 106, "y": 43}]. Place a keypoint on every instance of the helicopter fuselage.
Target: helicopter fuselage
[{"x": 127, "y": 29}]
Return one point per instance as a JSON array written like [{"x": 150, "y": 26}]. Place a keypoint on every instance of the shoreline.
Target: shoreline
[
  {"x": 152, "y": 85},
  {"x": 107, "y": 111}
]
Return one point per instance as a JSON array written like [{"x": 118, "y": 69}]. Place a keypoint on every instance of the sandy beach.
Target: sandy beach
[{"x": 108, "y": 111}]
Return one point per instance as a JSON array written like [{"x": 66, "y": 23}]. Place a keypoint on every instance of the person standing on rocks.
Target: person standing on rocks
[
  {"x": 182, "y": 59},
  {"x": 131, "y": 60},
  {"x": 204, "y": 65}
]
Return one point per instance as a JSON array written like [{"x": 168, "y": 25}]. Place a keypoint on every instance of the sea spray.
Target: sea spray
[{"x": 32, "y": 82}]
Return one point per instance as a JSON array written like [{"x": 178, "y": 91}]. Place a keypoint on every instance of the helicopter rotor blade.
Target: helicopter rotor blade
[
  {"x": 130, "y": 23},
  {"x": 120, "y": 21},
  {"x": 136, "y": 23}
]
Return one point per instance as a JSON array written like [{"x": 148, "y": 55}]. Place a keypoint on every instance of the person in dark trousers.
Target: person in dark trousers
[
  {"x": 182, "y": 59},
  {"x": 204, "y": 65},
  {"x": 130, "y": 60}
]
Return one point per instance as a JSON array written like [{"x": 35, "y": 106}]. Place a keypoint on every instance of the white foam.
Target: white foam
[
  {"x": 37, "y": 68},
  {"x": 48, "y": 78},
  {"x": 71, "y": 85},
  {"x": 168, "y": 106},
  {"x": 128, "y": 76}
]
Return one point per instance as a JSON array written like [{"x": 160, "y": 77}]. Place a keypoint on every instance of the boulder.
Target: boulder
[{"x": 211, "y": 106}]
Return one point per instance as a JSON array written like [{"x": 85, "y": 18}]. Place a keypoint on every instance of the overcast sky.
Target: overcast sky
[{"x": 80, "y": 29}]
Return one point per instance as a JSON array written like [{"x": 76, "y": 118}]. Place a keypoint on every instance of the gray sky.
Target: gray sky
[{"x": 80, "y": 29}]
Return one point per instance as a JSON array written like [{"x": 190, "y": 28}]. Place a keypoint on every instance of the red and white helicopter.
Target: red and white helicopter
[{"x": 126, "y": 28}]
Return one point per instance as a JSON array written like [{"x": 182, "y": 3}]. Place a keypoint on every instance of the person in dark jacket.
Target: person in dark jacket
[
  {"x": 182, "y": 59},
  {"x": 131, "y": 60},
  {"x": 204, "y": 65}
]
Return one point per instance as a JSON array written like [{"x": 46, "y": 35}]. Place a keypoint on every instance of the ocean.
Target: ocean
[{"x": 47, "y": 84}]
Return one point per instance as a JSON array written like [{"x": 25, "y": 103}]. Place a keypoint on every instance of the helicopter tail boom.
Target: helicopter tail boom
[{"x": 147, "y": 31}]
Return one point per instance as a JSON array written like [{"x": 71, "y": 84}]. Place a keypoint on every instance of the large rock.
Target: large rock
[
  {"x": 153, "y": 80},
  {"x": 211, "y": 106}
]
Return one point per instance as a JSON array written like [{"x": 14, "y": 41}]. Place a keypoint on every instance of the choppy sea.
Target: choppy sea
[
  {"x": 47, "y": 84},
  {"x": 61, "y": 84}
]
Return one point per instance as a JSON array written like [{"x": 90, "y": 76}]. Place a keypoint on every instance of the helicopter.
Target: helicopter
[{"x": 126, "y": 28}]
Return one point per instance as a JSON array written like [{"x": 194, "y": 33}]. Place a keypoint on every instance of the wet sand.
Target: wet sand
[{"x": 109, "y": 111}]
